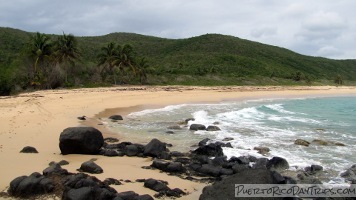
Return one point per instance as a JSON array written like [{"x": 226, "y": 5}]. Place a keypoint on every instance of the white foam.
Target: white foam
[
  {"x": 279, "y": 108},
  {"x": 150, "y": 111}
]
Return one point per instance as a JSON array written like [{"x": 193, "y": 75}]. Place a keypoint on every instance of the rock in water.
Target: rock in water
[
  {"x": 116, "y": 117},
  {"x": 197, "y": 127},
  {"x": 277, "y": 164},
  {"x": 80, "y": 140},
  {"x": 301, "y": 142}
]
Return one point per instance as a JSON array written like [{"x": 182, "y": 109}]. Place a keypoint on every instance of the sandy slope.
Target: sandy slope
[{"x": 37, "y": 119}]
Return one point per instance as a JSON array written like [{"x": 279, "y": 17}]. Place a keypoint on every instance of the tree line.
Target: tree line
[{"x": 53, "y": 63}]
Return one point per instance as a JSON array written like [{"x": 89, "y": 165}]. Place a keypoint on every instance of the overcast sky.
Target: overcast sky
[{"x": 312, "y": 27}]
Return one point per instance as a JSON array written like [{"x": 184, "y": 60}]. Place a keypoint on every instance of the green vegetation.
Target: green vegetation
[{"x": 34, "y": 60}]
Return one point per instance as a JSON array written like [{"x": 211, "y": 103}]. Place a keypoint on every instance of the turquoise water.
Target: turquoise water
[{"x": 273, "y": 123}]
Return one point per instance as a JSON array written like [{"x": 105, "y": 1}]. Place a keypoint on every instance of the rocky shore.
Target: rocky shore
[{"x": 206, "y": 163}]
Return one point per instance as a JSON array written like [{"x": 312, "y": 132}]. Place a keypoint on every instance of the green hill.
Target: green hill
[{"x": 210, "y": 59}]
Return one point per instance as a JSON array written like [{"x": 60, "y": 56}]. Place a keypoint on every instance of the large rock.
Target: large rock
[
  {"x": 211, "y": 149},
  {"x": 277, "y": 164},
  {"x": 301, "y": 142},
  {"x": 197, "y": 127},
  {"x": 213, "y": 128},
  {"x": 116, "y": 117},
  {"x": 25, "y": 186},
  {"x": 156, "y": 185},
  {"x": 91, "y": 167},
  {"x": 155, "y": 148},
  {"x": 80, "y": 140},
  {"x": 225, "y": 189}
]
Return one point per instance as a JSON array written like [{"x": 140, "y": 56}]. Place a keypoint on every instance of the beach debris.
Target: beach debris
[
  {"x": 111, "y": 140},
  {"x": 29, "y": 149},
  {"x": 83, "y": 118},
  {"x": 301, "y": 142},
  {"x": 277, "y": 164},
  {"x": 116, "y": 117},
  {"x": 197, "y": 127},
  {"x": 213, "y": 128},
  {"x": 80, "y": 140},
  {"x": 90, "y": 167},
  {"x": 262, "y": 150}
]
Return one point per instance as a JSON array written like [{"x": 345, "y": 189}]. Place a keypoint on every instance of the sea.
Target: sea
[{"x": 272, "y": 123}]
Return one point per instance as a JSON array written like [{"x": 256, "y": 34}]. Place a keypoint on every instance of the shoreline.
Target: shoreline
[{"x": 37, "y": 118}]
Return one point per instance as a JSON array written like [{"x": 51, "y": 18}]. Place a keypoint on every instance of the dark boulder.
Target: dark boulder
[
  {"x": 91, "y": 193},
  {"x": 63, "y": 162},
  {"x": 277, "y": 164},
  {"x": 226, "y": 172},
  {"x": 240, "y": 160},
  {"x": 143, "y": 197},
  {"x": 160, "y": 164},
  {"x": 211, "y": 149},
  {"x": 91, "y": 167},
  {"x": 203, "y": 142},
  {"x": 25, "y": 186},
  {"x": 197, "y": 127},
  {"x": 29, "y": 149},
  {"x": 175, "y": 167},
  {"x": 110, "y": 153},
  {"x": 112, "y": 181},
  {"x": 301, "y": 142},
  {"x": 80, "y": 140},
  {"x": 225, "y": 189},
  {"x": 54, "y": 169},
  {"x": 260, "y": 163},
  {"x": 156, "y": 185},
  {"x": 128, "y": 195},
  {"x": 155, "y": 148},
  {"x": 210, "y": 170},
  {"x": 132, "y": 150},
  {"x": 213, "y": 128},
  {"x": 237, "y": 168},
  {"x": 116, "y": 117}
]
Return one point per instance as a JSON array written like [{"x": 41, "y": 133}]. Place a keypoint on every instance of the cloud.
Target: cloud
[
  {"x": 328, "y": 51},
  {"x": 303, "y": 26}
]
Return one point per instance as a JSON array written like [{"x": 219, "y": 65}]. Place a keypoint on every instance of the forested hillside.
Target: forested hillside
[{"x": 210, "y": 59}]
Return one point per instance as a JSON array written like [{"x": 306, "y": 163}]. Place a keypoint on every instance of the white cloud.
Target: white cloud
[{"x": 308, "y": 27}]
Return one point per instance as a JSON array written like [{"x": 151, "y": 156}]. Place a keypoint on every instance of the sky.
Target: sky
[{"x": 324, "y": 28}]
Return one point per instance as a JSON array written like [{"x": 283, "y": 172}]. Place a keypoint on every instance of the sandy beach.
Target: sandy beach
[{"x": 37, "y": 119}]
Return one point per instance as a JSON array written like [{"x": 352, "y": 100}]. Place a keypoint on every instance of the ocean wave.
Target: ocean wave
[
  {"x": 279, "y": 108},
  {"x": 170, "y": 108}
]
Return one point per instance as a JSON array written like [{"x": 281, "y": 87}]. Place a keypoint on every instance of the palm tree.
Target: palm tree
[
  {"x": 126, "y": 58},
  {"x": 142, "y": 68},
  {"x": 66, "y": 52},
  {"x": 109, "y": 58},
  {"x": 39, "y": 49}
]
